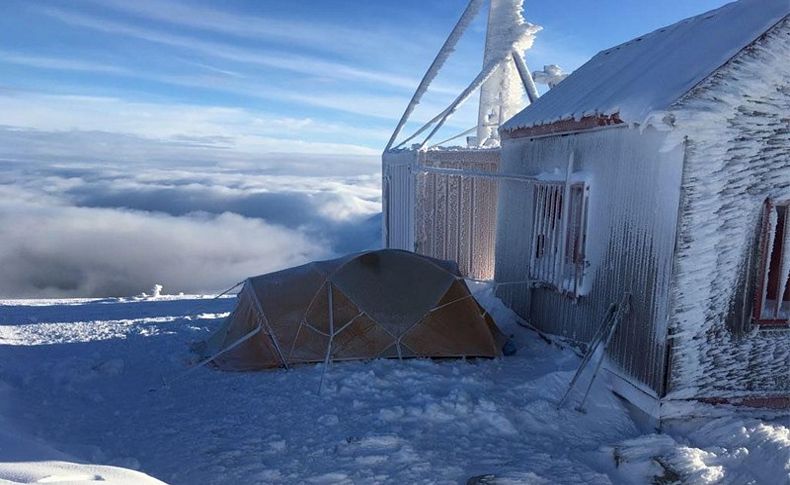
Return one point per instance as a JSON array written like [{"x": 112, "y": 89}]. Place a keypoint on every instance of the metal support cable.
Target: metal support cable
[{"x": 472, "y": 8}]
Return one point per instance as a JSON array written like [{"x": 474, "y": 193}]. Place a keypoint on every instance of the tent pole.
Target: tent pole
[
  {"x": 265, "y": 323},
  {"x": 331, "y": 336},
  {"x": 205, "y": 361},
  {"x": 194, "y": 310}
]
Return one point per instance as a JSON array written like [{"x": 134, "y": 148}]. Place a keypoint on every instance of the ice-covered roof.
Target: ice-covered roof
[{"x": 649, "y": 73}]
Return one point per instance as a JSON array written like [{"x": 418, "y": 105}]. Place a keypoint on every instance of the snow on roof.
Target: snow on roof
[{"x": 649, "y": 73}]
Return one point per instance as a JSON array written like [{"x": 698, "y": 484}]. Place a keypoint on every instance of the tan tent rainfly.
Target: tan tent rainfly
[{"x": 386, "y": 303}]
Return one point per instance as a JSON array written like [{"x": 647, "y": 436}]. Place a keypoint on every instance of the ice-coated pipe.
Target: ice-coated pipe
[{"x": 526, "y": 77}]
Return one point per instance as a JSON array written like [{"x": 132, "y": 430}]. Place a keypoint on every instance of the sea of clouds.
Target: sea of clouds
[{"x": 90, "y": 228}]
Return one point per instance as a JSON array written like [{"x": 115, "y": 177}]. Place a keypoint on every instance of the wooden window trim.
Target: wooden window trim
[{"x": 764, "y": 266}]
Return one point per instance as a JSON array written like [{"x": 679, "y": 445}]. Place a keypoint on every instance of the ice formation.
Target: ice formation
[
  {"x": 639, "y": 77},
  {"x": 736, "y": 129},
  {"x": 698, "y": 145}
]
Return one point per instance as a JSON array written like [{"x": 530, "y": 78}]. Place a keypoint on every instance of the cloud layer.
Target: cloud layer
[{"x": 78, "y": 230}]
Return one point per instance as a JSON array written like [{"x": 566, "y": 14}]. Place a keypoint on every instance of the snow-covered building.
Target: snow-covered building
[{"x": 661, "y": 169}]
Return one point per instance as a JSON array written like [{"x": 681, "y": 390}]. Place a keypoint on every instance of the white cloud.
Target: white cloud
[
  {"x": 60, "y": 63},
  {"x": 68, "y": 251},
  {"x": 71, "y": 127},
  {"x": 155, "y": 120},
  {"x": 70, "y": 230},
  {"x": 287, "y": 61},
  {"x": 314, "y": 34},
  {"x": 384, "y": 106}
]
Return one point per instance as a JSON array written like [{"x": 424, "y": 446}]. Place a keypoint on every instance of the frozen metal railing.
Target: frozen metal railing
[
  {"x": 558, "y": 232},
  {"x": 453, "y": 215},
  {"x": 546, "y": 232}
]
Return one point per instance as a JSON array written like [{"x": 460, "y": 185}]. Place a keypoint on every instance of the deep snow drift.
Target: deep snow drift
[{"x": 82, "y": 381}]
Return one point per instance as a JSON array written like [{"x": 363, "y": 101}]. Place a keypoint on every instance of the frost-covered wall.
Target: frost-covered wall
[
  {"x": 738, "y": 154},
  {"x": 443, "y": 215},
  {"x": 455, "y": 216},
  {"x": 398, "y": 199},
  {"x": 632, "y": 217}
]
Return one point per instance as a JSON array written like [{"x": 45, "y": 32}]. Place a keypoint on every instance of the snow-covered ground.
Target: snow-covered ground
[{"x": 83, "y": 382}]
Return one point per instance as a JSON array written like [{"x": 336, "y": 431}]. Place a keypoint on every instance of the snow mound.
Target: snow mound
[
  {"x": 71, "y": 473},
  {"x": 728, "y": 450},
  {"x": 26, "y": 459}
]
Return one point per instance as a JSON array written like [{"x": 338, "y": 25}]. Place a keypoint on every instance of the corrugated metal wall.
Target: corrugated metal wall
[
  {"x": 455, "y": 215},
  {"x": 632, "y": 219},
  {"x": 398, "y": 199},
  {"x": 442, "y": 215}
]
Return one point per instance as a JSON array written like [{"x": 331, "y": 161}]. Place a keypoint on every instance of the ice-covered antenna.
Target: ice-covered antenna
[
  {"x": 500, "y": 80},
  {"x": 447, "y": 48}
]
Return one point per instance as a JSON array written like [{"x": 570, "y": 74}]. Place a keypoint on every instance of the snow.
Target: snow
[
  {"x": 551, "y": 75},
  {"x": 734, "y": 127},
  {"x": 725, "y": 450},
  {"x": 26, "y": 459},
  {"x": 647, "y": 74},
  {"x": 82, "y": 388}
]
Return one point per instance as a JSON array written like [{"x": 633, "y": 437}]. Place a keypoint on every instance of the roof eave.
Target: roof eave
[{"x": 562, "y": 126}]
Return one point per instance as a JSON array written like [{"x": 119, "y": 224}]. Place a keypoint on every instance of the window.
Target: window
[
  {"x": 558, "y": 236},
  {"x": 772, "y": 298}
]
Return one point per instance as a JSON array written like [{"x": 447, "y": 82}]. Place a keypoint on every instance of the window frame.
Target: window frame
[
  {"x": 764, "y": 267},
  {"x": 543, "y": 271}
]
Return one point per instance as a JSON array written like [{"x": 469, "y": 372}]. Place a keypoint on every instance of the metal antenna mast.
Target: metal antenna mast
[{"x": 500, "y": 80}]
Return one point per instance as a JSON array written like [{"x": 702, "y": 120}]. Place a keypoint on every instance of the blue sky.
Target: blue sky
[
  {"x": 192, "y": 144},
  {"x": 257, "y": 77}
]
